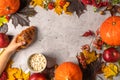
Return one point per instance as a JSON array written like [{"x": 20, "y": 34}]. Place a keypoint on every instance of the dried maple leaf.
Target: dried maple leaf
[
  {"x": 28, "y": 11},
  {"x": 90, "y": 70},
  {"x": 20, "y": 19},
  {"x": 90, "y": 63},
  {"x": 88, "y": 33},
  {"x": 4, "y": 28},
  {"x": 113, "y": 9},
  {"x": 76, "y": 6},
  {"x": 89, "y": 56},
  {"x": 21, "y": 16}
]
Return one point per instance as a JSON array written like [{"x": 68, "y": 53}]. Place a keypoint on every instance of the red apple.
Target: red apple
[
  {"x": 37, "y": 76},
  {"x": 4, "y": 40},
  {"x": 111, "y": 55}
]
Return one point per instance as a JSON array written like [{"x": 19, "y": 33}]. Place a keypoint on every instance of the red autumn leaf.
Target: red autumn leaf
[
  {"x": 3, "y": 76},
  {"x": 87, "y": 2},
  {"x": 88, "y": 33}
]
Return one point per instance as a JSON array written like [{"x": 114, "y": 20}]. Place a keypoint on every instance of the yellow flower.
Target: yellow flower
[
  {"x": 110, "y": 70},
  {"x": 11, "y": 72}
]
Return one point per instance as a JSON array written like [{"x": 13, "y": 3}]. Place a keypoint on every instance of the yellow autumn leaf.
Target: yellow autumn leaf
[
  {"x": 57, "y": 2},
  {"x": 20, "y": 74},
  {"x": 67, "y": 12},
  {"x": 37, "y": 2},
  {"x": 3, "y": 20},
  {"x": 110, "y": 70},
  {"x": 16, "y": 73},
  {"x": 65, "y": 8},
  {"x": 89, "y": 56},
  {"x": 26, "y": 75},
  {"x": 11, "y": 72},
  {"x": 58, "y": 10}
]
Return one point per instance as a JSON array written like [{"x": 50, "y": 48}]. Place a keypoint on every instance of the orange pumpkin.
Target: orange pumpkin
[
  {"x": 110, "y": 30},
  {"x": 9, "y": 6},
  {"x": 68, "y": 71}
]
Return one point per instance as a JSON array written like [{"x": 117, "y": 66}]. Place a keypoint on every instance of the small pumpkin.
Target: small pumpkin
[
  {"x": 68, "y": 71},
  {"x": 9, "y": 6},
  {"x": 110, "y": 31}
]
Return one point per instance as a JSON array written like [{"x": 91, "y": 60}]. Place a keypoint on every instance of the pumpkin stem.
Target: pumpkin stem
[{"x": 8, "y": 8}]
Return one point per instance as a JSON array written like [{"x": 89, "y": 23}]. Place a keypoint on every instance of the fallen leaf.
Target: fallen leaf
[
  {"x": 88, "y": 33},
  {"x": 28, "y": 11},
  {"x": 16, "y": 73},
  {"x": 21, "y": 19},
  {"x": 38, "y": 3},
  {"x": 22, "y": 15},
  {"x": 91, "y": 70},
  {"x": 3, "y": 20},
  {"x": 89, "y": 56},
  {"x": 110, "y": 70},
  {"x": 3, "y": 76},
  {"x": 76, "y": 6},
  {"x": 4, "y": 28}
]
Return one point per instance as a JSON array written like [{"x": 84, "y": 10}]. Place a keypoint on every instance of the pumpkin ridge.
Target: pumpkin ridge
[
  {"x": 7, "y": 8},
  {"x": 110, "y": 30},
  {"x": 16, "y": 4},
  {"x": 68, "y": 71},
  {"x": 116, "y": 32}
]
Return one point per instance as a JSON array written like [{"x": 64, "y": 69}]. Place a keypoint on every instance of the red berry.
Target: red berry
[
  {"x": 62, "y": 2},
  {"x": 51, "y": 5},
  {"x": 88, "y": 2},
  {"x": 8, "y": 18}
]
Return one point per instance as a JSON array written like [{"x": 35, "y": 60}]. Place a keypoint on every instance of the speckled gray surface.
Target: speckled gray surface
[{"x": 59, "y": 36}]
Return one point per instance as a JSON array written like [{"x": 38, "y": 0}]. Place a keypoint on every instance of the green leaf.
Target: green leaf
[
  {"x": 114, "y": 2},
  {"x": 3, "y": 20}
]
